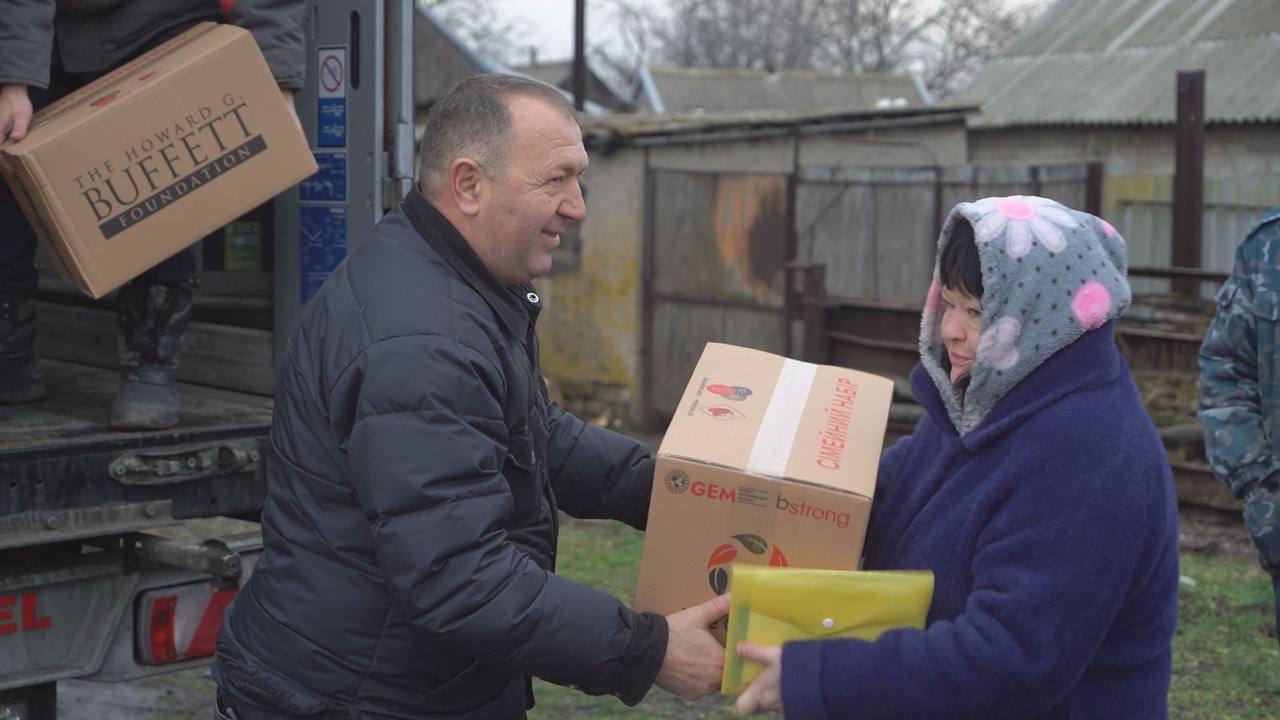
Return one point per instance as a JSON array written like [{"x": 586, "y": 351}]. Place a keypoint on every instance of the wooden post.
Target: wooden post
[
  {"x": 1188, "y": 180},
  {"x": 1093, "y": 189},
  {"x": 814, "y": 312}
]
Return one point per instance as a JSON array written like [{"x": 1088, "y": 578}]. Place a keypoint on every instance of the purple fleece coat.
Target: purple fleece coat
[{"x": 1051, "y": 529}]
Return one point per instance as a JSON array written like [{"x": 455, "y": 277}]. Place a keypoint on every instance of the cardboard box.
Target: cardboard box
[
  {"x": 767, "y": 461},
  {"x": 155, "y": 155}
]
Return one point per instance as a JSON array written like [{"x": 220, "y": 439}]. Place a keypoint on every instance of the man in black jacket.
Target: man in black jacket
[
  {"x": 417, "y": 464},
  {"x": 49, "y": 49}
]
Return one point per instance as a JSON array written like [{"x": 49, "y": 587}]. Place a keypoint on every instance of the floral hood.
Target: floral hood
[{"x": 1049, "y": 275}]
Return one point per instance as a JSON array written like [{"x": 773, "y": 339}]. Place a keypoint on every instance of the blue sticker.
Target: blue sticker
[
  {"x": 331, "y": 121},
  {"x": 329, "y": 183},
  {"x": 322, "y": 243}
]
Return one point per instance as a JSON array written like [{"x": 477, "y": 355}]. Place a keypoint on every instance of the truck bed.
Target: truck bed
[
  {"x": 65, "y": 474},
  {"x": 77, "y": 410}
]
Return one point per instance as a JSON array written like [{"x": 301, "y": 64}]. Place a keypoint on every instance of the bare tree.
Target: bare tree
[
  {"x": 478, "y": 23},
  {"x": 759, "y": 34},
  {"x": 964, "y": 37},
  {"x": 616, "y": 62},
  {"x": 942, "y": 40}
]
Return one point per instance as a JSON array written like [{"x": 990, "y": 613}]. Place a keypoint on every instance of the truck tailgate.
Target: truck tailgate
[{"x": 64, "y": 473}]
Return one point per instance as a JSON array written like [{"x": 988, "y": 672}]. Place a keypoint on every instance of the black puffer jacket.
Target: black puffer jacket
[
  {"x": 94, "y": 36},
  {"x": 410, "y": 526}
]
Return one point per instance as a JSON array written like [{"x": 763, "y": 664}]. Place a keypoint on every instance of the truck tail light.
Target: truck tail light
[{"x": 180, "y": 623}]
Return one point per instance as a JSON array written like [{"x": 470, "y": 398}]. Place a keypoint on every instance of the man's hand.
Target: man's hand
[
  {"x": 287, "y": 94},
  {"x": 695, "y": 659},
  {"x": 1262, "y": 517},
  {"x": 15, "y": 112},
  {"x": 765, "y": 692}
]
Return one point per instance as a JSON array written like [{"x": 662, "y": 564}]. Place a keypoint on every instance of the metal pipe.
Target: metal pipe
[{"x": 399, "y": 108}]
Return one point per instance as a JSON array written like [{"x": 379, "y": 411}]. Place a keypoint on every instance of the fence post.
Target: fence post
[
  {"x": 814, "y": 313},
  {"x": 1188, "y": 178},
  {"x": 1093, "y": 189}
]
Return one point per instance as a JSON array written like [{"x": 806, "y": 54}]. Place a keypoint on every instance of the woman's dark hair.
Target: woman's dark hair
[{"x": 959, "y": 266}]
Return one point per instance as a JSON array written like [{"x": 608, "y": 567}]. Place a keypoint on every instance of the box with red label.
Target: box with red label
[{"x": 767, "y": 461}]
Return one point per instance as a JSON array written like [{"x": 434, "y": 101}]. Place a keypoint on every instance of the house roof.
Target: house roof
[
  {"x": 694, "y": 127},
  {"x": 1114, "y": 62},
  {"x": 441, "y": 59},
  {"x": 715, "y": 90},
  {"x": 560, "y": 74},
  {"x": 551, "y": 73}
]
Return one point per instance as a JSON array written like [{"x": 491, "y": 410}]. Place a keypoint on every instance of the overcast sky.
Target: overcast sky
[{"x": 548, "y": 24}]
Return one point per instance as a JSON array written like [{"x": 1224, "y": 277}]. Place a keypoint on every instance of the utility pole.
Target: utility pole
[{"x": 580, "y": 54}]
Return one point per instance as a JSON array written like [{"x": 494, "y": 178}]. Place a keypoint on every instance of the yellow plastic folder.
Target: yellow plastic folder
[{"x": 771, "y": 605}]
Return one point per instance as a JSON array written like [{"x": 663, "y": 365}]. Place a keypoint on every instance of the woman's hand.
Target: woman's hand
[{"x": 765, "y": 692}]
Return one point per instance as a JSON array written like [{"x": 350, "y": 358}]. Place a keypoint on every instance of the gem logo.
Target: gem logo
[
  {"x": 737, "y": 393},
  {"x": 722, "y": 412},
  {"x": 722, "y": 556},
  {"x": 677, "y": 481},
  {"x": 105, "y": 100}
]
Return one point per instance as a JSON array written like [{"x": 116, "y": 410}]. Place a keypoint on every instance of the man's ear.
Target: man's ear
[{"x": 466, "y": 183}]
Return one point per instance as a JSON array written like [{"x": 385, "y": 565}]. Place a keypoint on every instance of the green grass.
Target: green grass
[
  {"x": 1226, "y": 658},
  {"x": 606, "y": 555},
  {"x": 1226, "y": 662}
]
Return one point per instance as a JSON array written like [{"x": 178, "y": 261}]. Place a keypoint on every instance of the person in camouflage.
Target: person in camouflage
[{"x": 1240, "y": 389}]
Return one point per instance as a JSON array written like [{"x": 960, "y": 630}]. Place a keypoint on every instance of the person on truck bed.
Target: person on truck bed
[
  {"x": 47, "y": 50},
  {"x": 417, "y": 467}
]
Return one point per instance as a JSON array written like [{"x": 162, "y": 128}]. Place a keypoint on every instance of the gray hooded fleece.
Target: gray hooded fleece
[{"x": 1049, "y": 274}]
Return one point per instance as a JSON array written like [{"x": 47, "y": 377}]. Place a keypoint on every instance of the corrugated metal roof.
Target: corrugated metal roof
[
  {"x": 1097, "y": 62},
  {"x": 722, "y": 90},
  {"x": 1244, "y": 17}
]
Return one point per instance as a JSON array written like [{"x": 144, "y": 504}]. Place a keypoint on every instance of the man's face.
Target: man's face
[{"x": 536, "y": 195}]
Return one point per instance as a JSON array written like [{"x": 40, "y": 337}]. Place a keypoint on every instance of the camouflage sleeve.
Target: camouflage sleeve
[{"x": 1235, "y": 434}]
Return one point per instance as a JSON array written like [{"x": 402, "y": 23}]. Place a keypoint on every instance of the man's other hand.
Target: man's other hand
[
  {"x": 1262, "y": 517},
  {"x": 15, "y": 112},
  {"x": 695, "y": 659}
]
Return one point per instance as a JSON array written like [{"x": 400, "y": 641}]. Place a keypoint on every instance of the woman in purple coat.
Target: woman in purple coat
[{"x": 1035, "y": 488}]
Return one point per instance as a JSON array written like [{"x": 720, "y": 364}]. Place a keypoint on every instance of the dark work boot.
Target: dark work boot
[
  {"x": 21, "y": 378},
  {"x": 151, "y": 320}
]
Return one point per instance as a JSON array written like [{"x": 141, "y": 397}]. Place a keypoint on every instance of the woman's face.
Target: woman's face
[{"x": 961, "y": 329}]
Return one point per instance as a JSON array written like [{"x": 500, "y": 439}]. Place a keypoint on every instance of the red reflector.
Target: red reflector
[
  {"x": 163, "y": 645},
  {"x": 206, "y": 636}
]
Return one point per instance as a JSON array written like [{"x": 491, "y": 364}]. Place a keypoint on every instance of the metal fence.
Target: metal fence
[{"x": 1141, "y": 208}]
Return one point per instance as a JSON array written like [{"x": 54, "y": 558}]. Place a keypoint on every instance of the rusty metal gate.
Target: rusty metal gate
[{"x": 716, "y": 249}]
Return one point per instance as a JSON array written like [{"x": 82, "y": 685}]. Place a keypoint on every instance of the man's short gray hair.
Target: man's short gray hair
[{"x": 473, "y": 120}]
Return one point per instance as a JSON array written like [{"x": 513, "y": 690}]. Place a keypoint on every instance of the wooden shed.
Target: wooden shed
[{"x": 692, "y": 222}]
